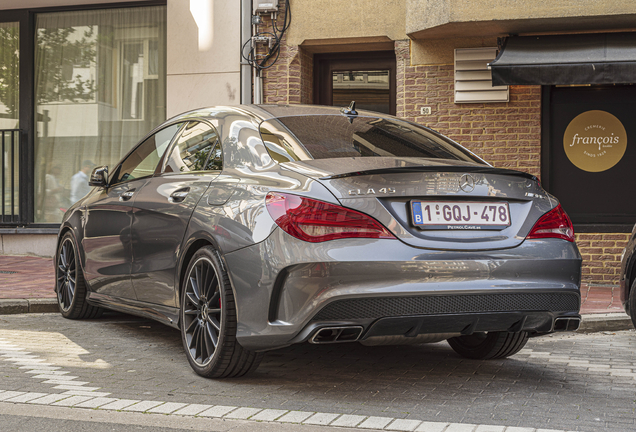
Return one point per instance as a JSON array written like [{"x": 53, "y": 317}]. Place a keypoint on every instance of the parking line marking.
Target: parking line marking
[
  {"x": 48, "y": 400},
  {"x": 86, "y": 393},
  {"x": 192, "y": 409},
  {"x": 375, "y": 422},
  {"x": 269, "y": 414},
  {"x": 89, "y": 401},
  {"x": 142, "y": 406},
  {"x": 217, "y": 411},
  {"x": 25, "y": 397},
  {"x": 295, "y": 417},
  {"x": 403, "y": 425},
  {"x": 321, "y": 418},
  {"x": 119, "y": 404},
  {"x": 167, "y": 408},
  {"x": 243, "y": 413},
  {"x": 348, "y": 420},
  {"x": 10, "y": 394},
  {"x": 73, "y": 400},
  {"x": 96, "y": 402},
  {"x": 70, "y": 387}
]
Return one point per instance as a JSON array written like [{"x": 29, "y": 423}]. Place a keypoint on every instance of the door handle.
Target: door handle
[
  {"x": 125, "y": 196},
  {"x": 179, "y": 195}
]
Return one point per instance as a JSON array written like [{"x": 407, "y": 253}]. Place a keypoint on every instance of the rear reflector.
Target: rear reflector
[
  {"x": 553, "y": 224},
  {"x": 318, "y": 221}
]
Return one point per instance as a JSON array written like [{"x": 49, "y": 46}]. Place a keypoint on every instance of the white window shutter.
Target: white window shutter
[{"x": 473, "y": 79}]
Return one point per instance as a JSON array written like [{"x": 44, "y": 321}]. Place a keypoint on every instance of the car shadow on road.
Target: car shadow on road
[{"x": 340, "y": 369}]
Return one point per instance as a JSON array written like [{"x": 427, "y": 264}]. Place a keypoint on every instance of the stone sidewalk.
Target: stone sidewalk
[
  {"x": 565, "y": 381},
  {"x": 29, "y": 282}
]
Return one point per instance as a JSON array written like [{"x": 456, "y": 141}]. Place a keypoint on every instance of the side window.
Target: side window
[
  {"x": 144, "y": 160},
  {"x": 216, "y": 159},
  {"x": 197, "y": 149}
]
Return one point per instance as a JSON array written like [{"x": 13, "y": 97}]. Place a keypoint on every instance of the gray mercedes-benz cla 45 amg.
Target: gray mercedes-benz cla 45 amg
[{"x": 252, "y": 228}]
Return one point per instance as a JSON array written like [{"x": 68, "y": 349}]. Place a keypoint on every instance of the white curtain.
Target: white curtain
[{"x": 100, "y": 85}]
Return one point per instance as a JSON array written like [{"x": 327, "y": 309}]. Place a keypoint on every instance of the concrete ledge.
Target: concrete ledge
[
  {"x": 21, "y": 306},
  {"x": 605, "y": 322}
]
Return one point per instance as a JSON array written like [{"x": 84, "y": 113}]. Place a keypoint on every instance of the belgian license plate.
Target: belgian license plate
[{"x": 460, "y": 215}]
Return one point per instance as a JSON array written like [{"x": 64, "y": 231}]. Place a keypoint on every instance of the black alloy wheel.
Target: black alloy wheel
[
  {"x": 69, "y": 282},
  {"x": 66, "y": 271},
  {"x": 202, "y": 311},
  {"x": 208, "y": 320},
  {"x": 491, "y": 345}
]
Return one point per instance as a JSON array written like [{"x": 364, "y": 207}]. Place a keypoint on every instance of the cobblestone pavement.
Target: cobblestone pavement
[{"x": 582, "y": 382}]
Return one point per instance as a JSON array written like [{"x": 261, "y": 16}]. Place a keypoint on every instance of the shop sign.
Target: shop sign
[{"x": 595, "y": 141}]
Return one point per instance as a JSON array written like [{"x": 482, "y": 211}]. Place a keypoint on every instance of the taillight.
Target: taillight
[
  {"x": 318, "y": 221},
  {"x": 553, "y": 224}
]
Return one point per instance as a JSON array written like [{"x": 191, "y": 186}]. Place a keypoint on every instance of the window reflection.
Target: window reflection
[
  {"x": 358, "y": 137},
  {"x": 197, "y": 149},
  {"x": 99, "y": 88},
  {"x": 9, "y": 117},
  {"x": 144, "y": 160},
  {"x": 370, "y": 89}
]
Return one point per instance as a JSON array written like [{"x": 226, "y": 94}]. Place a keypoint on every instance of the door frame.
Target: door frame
[{"x": 326, "y": 64}]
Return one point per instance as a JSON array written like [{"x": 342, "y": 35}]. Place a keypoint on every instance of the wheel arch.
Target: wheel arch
[
  {"x": 191, "y": 246},
  {"x": 630, "y": 277}
]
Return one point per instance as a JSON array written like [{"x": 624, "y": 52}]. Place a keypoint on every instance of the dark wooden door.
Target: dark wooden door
[{"x": 368, "y": 78}]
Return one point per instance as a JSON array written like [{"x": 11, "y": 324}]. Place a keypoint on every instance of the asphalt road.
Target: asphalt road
[{"x": 568, "y": 382}]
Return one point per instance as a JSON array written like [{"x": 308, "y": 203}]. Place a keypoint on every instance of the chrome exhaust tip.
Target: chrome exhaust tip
[
  {"x": 327, "y": 335},
  {"x": 566, "y": 324}
]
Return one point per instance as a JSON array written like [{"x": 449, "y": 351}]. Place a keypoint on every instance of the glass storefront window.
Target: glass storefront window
[
  {"x": 100, "y": 83},
  {"x": 9, "y": 119},
  {"x": 9, "y": 74},
  {"x": 370, "y": 89}
]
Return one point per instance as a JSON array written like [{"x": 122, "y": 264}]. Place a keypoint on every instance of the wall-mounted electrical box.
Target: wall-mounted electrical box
[{"x": 265, "y": 6}]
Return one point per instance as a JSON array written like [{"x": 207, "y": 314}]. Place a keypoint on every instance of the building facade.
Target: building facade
[
  {"x": 94, "y": 78},
  {"x": 433, "y": 57},
  {"x": 81, "y": 82}
]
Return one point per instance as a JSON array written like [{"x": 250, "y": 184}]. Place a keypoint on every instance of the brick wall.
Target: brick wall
[
  {"x": 289, "y": 80},
  {"x": 507, "y": 135},
  {"x": 601, "y": 256}
]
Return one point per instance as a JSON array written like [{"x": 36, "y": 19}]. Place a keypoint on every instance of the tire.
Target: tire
[
  {"x": 631, "y": 305},
  {"x": 69, "y": 282},
  {"x": 208, "y": 320},
  {"x": 486, "y": 346}
]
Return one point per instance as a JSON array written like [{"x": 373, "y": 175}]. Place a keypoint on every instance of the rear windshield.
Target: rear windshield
[{"x": 334, "y": 136}]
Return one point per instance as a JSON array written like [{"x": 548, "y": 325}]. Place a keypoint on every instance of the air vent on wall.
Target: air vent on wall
[{"x": 473, "y": 79}]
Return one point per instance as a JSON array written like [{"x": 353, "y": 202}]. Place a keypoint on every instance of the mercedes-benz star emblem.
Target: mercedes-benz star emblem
[{"x": 467, "y": 183}]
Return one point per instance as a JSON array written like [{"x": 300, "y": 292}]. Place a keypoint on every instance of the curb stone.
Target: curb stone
[
  {"x": 591, "y": 323},
  {"x": 21, "y": 306}
]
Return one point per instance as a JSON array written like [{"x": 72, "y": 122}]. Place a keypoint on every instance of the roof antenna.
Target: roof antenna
[{"x": 350, "y": 111}]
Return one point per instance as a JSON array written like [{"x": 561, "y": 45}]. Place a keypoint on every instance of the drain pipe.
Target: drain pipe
[
  {"x": 258, "y": 87},
  {"x": 246, "y": 69}
]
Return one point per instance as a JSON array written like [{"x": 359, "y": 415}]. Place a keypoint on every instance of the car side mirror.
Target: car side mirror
[{"x": 99, "y": 177}]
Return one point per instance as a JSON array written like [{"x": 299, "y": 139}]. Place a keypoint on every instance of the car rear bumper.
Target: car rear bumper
[{"x": 286, "y": 289}]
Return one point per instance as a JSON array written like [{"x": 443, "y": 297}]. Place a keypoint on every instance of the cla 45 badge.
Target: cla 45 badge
[{"x": 371, "y": 191}]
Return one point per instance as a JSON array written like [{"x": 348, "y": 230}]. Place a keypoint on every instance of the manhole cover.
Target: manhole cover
[{"x": 7, "y": 272}]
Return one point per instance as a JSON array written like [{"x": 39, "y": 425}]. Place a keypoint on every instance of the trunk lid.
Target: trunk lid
[{"x": 386, "y": 188}]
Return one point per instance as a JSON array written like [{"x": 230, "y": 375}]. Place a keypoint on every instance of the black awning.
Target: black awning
[{"x": 600, "y": 58}]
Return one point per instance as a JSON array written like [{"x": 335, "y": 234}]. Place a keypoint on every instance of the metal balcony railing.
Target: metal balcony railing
[{"x": 10, "y": 175}]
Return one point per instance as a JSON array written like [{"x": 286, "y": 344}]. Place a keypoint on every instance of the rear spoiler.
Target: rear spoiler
[{"x": 438, "y": 168}]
